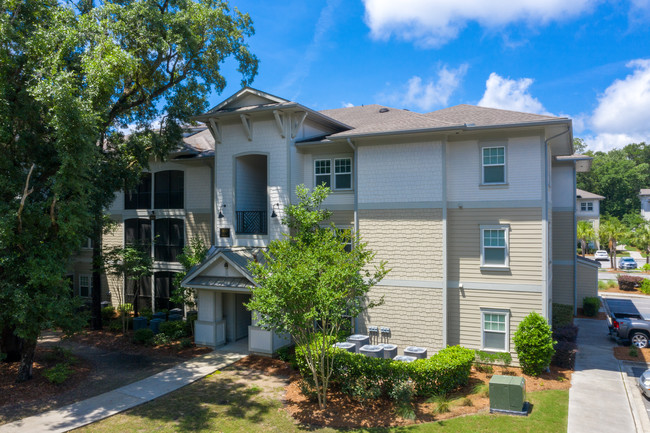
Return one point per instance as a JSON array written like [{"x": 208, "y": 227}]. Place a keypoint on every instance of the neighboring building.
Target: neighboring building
[
  {"x": 644, "y": 197},
  {"x": 473, "y": 208},
  {"x": 588, "y": 207}
]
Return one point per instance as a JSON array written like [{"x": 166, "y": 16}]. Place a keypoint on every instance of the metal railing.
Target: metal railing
[{"x": 251, "y": 222}]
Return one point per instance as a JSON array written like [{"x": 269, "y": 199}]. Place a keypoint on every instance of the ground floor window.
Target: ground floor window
[
  {"x": 85, "y": 285},
  {"x": 495, "y": 330},
  {"x": 164, "y": 289}
]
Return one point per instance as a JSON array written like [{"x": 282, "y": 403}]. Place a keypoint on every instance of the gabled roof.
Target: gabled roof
[
  {"x": 484, "y": 116},
  {"x": 247, "y": 97},
  {"x": 238, "y": 257},
  {"x": 644, "y": 192},
  {"x": 588, "y": 195}
]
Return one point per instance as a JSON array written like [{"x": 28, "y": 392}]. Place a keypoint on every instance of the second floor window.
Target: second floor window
[
  {"x": 140, "y": 196},
  {"x": 342, "y": 173},
  {"x": 493, "y": 165},
  {"x": 169, "y": 188},
  {"x": 586, "y": 206},
  {"x": 169, "y": 236},
  {"x": 137, "y": 231}
]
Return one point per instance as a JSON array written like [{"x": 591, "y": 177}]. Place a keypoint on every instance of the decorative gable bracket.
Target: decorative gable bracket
[
  {"x": 247, "y": 125},
  {"x": 279, "y": 121},
  {"x": 215, "y": 129},
  {"x": 298, "y": 119}
]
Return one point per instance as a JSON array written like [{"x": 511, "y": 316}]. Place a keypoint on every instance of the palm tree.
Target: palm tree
[
  {"x": 641, "y": 240},
  {"x": 610, "y": 232},
  {"x": 586, "y": 233}
]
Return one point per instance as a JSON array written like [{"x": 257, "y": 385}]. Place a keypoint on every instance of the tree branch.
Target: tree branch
[{"x": 26, "y": 192}]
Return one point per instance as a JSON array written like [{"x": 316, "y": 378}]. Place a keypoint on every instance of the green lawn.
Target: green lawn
[{"x": 228, "y": 403}]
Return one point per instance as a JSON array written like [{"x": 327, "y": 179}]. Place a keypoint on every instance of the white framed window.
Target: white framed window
[
  {"x": 343, "y": 173},
  {"x": 495, "y": 330},
  {"x": 493, "y": 165},
  {"x": 323, "y": 172},
  {"x": 85, "y": 285},
  {"x": 494, "y": 246},
  {"x": 587, "y": 206},
  {"x": 346, "y": 235},
  {"x": 335, "y": 173}
]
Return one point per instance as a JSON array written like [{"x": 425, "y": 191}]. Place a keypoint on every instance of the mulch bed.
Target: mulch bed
[
  {"x": 113, "y": 341},
  {"x": 39, "y": 387},
  {"x": 601, "y": 315},
  {"x": 623, "y": 353},
  {"x": 345, "y": 412},
  {"x": 627, "y": 292}
]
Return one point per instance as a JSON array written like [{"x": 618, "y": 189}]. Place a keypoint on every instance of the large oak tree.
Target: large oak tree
[{"x": 73, "y": 76}]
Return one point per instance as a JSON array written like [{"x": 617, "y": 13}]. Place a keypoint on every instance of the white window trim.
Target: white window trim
[
  {"x": 506, "y": 228},
  {"x": 505, "y": 165},
  {"x": 332, "y": 173},
  {"x": 90, "y": 285},
  {"x": 504, "y": 312}
]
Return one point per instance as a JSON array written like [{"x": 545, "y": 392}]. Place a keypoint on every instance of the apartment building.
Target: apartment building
[{"x": 473, "y": 209}]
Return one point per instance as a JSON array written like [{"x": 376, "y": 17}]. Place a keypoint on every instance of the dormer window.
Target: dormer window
[{"x": 493, "y": 165}]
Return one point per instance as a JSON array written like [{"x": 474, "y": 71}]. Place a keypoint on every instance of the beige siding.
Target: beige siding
[
  {"x": 464, "y": 313},
  {"x": 563, "y": 284},
  {"x": 414, "y": 316},
  {"x": 525, "y": 249},
  {"x": 198, "y": 224},
  {"x": 410, "y": 240},
  {"x": 564, "y": 241},
  {"x": 587, "y": 281},
  {"x": 112, "y": 286}
]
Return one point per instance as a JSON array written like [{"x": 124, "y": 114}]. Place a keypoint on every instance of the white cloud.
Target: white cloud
[
  {"x": 433, "y": 23},
  {"x": 606, "y": 141},
  {"x": 425, "y": 95},
  {"x": 510, "y": 94},
  {"x": 347, "y": 104}
]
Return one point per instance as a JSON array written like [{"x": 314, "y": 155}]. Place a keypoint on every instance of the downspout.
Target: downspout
[
  {"x": 443, "y": 149},
  {"x": 575, "y": 256},
  {"x": 545, "y": 255},
  {"x": 356, "y": 201},
  {"x": 213, "y": 214}
]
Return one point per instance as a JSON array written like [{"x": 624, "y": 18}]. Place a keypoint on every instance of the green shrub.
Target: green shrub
[
  {"x": 590, "y": 306},
  {"x": 125, "y": 308},
  {"x": 108, "y": 314},
  {"x": 646, "y": 267},
  {"x": 143, "y": 336},
  {"x": 534, "y": 344},
  {"x": 633, "y": 352},
  {"x": 162, "y": 340},
  {"x": 58, "y": 374},
  {"x": 187, "y": 343},
  {"x": 628, "y": 282},
  {"x": 402, "y": 395},
  {"x": 562, "y": 315},
  {"x": 175, "y": 330},
  {"x": 602, "y": 285},
  {"x": 3, "y": 356},
  {"x": 645, "y": 286},
  {"x": 442, "y": 403},
  {"x": 611, "y": 284},
  {"x": 146, "y": 312},
  {"x": 493, "y": 357},
  {"x": 115, "y": 325}
]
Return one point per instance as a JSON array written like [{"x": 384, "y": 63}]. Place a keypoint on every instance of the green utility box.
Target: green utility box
[{"x": 508, "y": 395}]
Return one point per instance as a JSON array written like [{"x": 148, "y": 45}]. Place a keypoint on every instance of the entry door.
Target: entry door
[{"x": 242, "y": 316}]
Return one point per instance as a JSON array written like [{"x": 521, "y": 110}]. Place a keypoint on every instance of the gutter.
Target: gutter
[{"x": 445, "y": 289}]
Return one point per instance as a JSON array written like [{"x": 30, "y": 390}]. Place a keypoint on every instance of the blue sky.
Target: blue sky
[{"x": 586, "y": 59}]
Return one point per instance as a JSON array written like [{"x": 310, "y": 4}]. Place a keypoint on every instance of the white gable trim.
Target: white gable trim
[
  {"x": 202, "y": 267},
  {"x": 248, "y": 91}
]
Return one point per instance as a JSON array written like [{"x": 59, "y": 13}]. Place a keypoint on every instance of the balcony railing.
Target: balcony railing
[{"x": 251, "y": 222}]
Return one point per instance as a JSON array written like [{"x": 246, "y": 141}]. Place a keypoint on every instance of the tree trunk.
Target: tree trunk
[
  {"x": 583, "y": 245},
  {"x": 26, "y": 361},
  {"x": 11, "y": 344},
  {"x": 96, "y": 309}
]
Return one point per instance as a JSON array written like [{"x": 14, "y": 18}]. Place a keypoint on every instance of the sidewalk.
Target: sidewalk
[
  {"x": 102, "y": 406},
  {"x": 598, "y": 398}
]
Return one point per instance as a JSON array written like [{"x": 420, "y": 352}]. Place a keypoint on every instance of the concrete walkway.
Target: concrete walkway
[
  {"x": 104, "y": 405},
  {"x": 598, "y": 398}
]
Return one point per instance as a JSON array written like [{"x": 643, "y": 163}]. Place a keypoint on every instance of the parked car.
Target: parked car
[
  {"x": 627, "y": 263},
  {"x": 601, "y": 255},
  {"x": 644, "y": 383},
  {"x": 626, "y": 321}
]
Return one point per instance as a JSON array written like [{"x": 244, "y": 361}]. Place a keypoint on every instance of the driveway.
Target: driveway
[{"x": 602, "y": 397}]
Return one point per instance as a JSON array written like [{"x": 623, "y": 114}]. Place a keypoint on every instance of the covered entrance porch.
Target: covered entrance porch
[{"x": 223, "y": 288}]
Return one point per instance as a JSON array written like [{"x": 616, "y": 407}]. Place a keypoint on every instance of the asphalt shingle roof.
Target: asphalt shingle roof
[
  {"x": 588, "y": 195},
  {"x": 645, "y": 192},
  {"x": 483, "y": 116}
]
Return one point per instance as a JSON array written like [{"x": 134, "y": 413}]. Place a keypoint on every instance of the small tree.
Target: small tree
[
  {"x": 130, "y": 263},
  {"x": 192, "y": 255},
  {"x": 310, "y": 286},
  {"x": 586, "y": 233},
  {"x": 641, "y": 240},
  {"x": 534, "y": 344},
  {"x": 611, "y": 231}
]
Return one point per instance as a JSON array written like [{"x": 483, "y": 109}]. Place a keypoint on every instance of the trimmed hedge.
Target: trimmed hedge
[
  {"x": 629, "y": 282},
  {"x": 566, "y": 333},
  {"x": 562, "y": 315},
  {"x": 590, "y": 306},
  {"x": 439, "y": 374},
  {"x": 176, "y": 330},
  {"x": 565, "y": 354}
]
